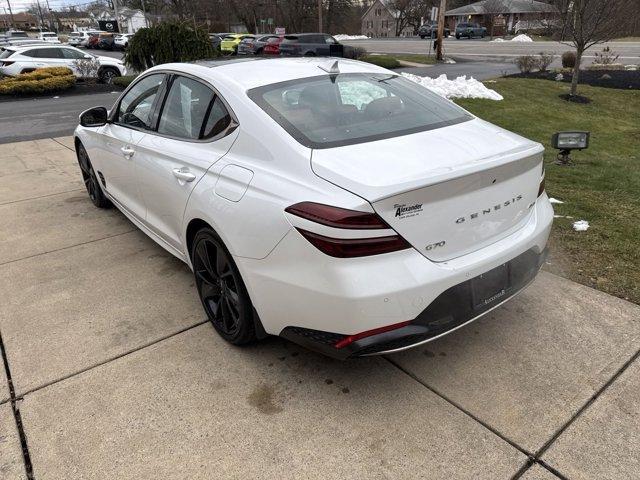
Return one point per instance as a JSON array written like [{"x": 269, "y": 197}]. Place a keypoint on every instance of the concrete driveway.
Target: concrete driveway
[{"x": 112, "y": 372}]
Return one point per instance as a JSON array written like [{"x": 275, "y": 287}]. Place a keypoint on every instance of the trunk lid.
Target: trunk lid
[{"x": 449, "y": 191}]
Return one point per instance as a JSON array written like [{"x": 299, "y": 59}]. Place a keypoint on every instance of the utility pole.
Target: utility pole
[
  {"x": 319, "y": 16},
  {"x": 40, "y": 15},
  {"x": 443, "y": 7},
  {"x": 144, "y": 12},
  {"x": 115, "y": 11},
  {"x": 51, "y": 22},
  {"x": 13, "y": 23}
]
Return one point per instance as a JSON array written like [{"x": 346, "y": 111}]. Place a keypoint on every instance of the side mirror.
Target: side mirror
[
  {"x": 87, "y": 57},
  {"x": 94, "y": 117}
]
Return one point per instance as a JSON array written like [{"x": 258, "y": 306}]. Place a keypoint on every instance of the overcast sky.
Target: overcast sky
[{"x": 20, "y": 5}]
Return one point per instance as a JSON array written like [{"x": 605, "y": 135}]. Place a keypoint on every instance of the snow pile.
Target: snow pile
[
  {"x": 522, "y": 38},
  {"x": 518, "y": 38},
  {"x": 555, "y": 200},
  {"x": 461, "y": 87},
  {"x": 581, "y": 226},
  {"x": 341, "y": 37},
  {"x": 559, "y": 77}
]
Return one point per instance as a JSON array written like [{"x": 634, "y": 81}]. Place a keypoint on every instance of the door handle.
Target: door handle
[
  {"x": 183, "y": 174},
  {"x": 127, "y": 152}
]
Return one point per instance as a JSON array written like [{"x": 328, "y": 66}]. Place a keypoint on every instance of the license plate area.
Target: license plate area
[{"x": 490, "y": 287}]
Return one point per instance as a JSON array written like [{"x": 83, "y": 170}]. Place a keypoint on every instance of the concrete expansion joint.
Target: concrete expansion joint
[
  {"x": 533, "y": 458},
  {"x": 16, "y": 414}
]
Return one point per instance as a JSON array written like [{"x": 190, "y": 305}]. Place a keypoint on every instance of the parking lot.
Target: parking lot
[{"x": 114, "y": 372}]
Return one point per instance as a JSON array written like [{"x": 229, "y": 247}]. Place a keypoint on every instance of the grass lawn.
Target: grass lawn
[
  {"x": 415, "y": 57},
  {"x": 603, "y": 187}
]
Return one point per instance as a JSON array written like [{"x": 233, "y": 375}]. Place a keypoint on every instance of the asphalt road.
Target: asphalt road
[
  {"x": 497, "y": 51},
  {"x": 46, "y": 117}
]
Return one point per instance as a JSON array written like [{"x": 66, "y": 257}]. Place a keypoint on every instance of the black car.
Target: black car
[
  {"x": 430, "y": 30},
  {"x": 216, "y": 39},
  {"x": 254, "y": 45},
  {"x": 311, "y": 45}
]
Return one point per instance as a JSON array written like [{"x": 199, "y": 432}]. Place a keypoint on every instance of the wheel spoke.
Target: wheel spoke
[
  {"x": 221, "y": 262},
  {"x": 203, "y": 253}
]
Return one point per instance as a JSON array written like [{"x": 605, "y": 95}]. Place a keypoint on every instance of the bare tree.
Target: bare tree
[{"x": 585, "y": 23}]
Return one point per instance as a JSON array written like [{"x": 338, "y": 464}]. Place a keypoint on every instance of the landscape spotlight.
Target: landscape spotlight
[{"x": 567, "y": 141}]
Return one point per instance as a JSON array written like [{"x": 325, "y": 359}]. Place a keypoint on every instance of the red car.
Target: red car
[
  {"x": 273, "y": 46},
  {"x": 93, "y": 41}
]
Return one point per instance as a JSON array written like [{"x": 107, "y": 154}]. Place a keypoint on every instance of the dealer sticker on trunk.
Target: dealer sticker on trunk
[{"x": 406, "y": 211}]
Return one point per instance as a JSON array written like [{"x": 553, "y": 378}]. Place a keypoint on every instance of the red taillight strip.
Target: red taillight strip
[
  {"x": 355, "y": 247},
  {"x": 337, "y": 217},
  {"x": 358, "y": 336}
]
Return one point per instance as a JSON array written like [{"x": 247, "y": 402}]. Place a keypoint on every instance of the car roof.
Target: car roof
[
  {"x": 18, "y": 48},
  {"x": 247, "y": 73}
]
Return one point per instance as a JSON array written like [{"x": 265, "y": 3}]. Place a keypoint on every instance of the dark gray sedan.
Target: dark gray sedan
[
  {"x": 254, "y": 46},
  {"x": 310, "y": 45}
]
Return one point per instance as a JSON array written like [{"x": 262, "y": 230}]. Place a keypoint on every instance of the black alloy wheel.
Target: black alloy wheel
[
  {"x": 90, "y": 180},
  {"x": 221, "y": 289}
]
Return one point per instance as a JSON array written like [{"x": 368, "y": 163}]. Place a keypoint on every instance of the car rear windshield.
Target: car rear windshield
[{"x": 333, "y": 111}]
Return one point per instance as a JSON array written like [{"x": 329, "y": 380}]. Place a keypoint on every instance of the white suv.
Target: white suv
[
  {"x": 17, "y": 60},
  {"x": 48, "y": 37}
]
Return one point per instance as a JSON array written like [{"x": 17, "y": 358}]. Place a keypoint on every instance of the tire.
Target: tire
[
  {"x": 310, "y": 54},
  {"x": 90, "y": 179},
  {"x": 457, "y": 36},
  {"x": 221, "y": 289},
  {"x": 107, "y": 74}
]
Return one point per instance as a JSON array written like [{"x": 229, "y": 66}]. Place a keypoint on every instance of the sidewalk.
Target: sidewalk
[{"x": 117, "y": 375}]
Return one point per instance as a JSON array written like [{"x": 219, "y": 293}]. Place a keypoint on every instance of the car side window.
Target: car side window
[
  {"x": 218, "y": 119},
  {"x": 71, "y": 54},
  {"x": 135, "y": 108},
  {"x": 330, "y": 40},
  {"x": 185, "y": 109},
  {"x": 49, "y": 53}
]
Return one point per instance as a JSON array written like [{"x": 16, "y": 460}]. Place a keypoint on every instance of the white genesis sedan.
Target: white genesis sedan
[{"x": 333, "y": 203}]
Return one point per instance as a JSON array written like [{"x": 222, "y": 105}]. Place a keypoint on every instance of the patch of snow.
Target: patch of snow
[
  {"x": 56, "y": 97},
  {"x": 631, "y": 67},
  {"x": 461, "y": 87},
  {"x": 522, "y": 38},
  {"x": 555, "y": 200},
  {"x": 499, "y": 40},
  {"x": 581, "y": 226},
  {"x": 562, "y": 216},
  {"x": 450, "y": 61},
  {"x": 559, "y": 77},
  {"x": 342, "y": 37}
]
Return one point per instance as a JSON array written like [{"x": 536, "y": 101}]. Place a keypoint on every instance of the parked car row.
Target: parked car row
[{"x": 300, "y": 44}]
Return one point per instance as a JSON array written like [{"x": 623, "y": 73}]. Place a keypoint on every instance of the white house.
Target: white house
[{"x": 129, "y": 20}]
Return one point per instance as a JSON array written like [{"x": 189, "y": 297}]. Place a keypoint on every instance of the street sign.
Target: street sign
[
  {"x": 434, "y": 14},
  {"x": 280, "y": 31}
]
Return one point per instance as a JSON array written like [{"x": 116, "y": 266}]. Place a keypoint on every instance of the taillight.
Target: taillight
[
  {"x": 337, "y": 217},
  {"x": 355, "y": 247},
  {"x": 342, "y": 218},
  {"x": 348, "y": 340}
]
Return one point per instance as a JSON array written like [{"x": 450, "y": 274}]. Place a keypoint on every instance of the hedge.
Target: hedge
[
  {"x": 39, "y": 81},
  {"x": 384, "y": 61},
  {"x": 123, "y": 81}
]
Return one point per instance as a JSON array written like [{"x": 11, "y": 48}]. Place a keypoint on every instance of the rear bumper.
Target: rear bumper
[
  {"x": 451, "y": 310},
  {"x": 315, "y": 300}
]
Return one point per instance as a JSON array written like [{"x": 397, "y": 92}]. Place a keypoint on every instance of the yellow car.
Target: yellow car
[{"x": 229, "y": 44}]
